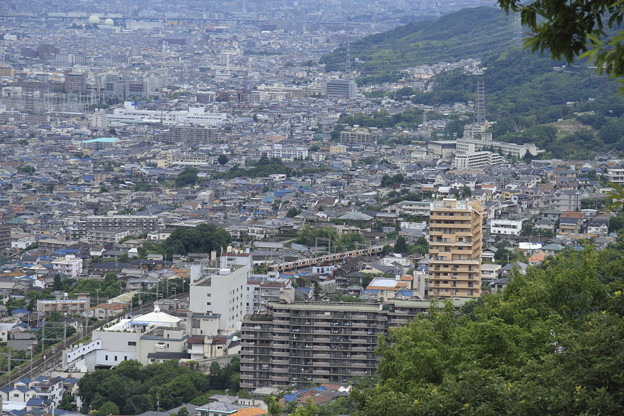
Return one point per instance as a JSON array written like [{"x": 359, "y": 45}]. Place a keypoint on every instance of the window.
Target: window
[{"x": 131, "y": 343}]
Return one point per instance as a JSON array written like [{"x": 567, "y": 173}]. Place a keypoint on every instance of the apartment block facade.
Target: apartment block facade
[
  {"x": 317, "y": 342},
  {"x": 455, "y": 246},
  {"x": 359, "y": 135}
]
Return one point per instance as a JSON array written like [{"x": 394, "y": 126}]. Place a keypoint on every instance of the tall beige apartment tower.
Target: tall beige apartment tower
[{"x": 455, "y": 231}]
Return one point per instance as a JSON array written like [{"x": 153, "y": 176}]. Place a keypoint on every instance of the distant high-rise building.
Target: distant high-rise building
[
  {"x": 455, "y": 246},
  {"x": 125, "y": 87},
  {"x": 5, "y": 235},
  {"x": 193, "y": 136},
  {"x": 75, "y": 82},
  {"x": 341, "y": 88},
  {"x": 45, "y": 50}
]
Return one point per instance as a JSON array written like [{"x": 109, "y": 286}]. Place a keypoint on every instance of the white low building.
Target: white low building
[
  {"x": 148, "y": 338},
  {"x": 506, "y": 227},
  {"x": 195, "y": 115}
]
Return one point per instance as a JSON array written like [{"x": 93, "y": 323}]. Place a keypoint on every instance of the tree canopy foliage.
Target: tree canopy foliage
[
  {"x": 408, "y": 119},
  {"x": 310, "y": 236},
  {"x": 467, "y": 33},
  {"x": 201, "y": 239},
  {"x": 567, "y": 30},
  {"x": 135, "y": 388},
  {"x": 551, "y": 343},
  {"x": 187, "y": 177}
]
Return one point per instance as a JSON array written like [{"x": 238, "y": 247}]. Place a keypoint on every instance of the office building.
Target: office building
[
  {"x": 341, "y": 89},
  {"x": 455, "y": 249},
  {"x": 75, "y": 82}
]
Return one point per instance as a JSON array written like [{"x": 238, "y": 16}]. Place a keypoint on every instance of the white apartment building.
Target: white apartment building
[
  {"x": 417, "y": 208},
  {"x": 221, "y": 291},
  {"x": 188, "y": 160},
  {"x": 616, "y": 174},
  {"x": 506, "y": 227},
  {"x": 291, "y": 153},
  {"x": 69, "y": 266},
  {"x": 477, "y": 160}
]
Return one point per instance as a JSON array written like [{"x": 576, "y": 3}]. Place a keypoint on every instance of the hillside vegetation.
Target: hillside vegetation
[
  {"x": 469, "y": 33},
  {"x": 526, "y": 94}
]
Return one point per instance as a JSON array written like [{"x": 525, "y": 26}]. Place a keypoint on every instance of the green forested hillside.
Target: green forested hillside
[
  {"x": 526, "y": 93},
  {"x": 469, "y": 33}
]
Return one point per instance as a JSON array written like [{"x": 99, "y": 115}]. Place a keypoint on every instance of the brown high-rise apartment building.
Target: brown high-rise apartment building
[
  {"x": 455, "y": 232},
  {"x": 318, "y": 342}
]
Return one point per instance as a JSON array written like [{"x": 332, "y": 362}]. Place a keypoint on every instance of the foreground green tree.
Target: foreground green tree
[
  {"x": 569, "y": 29},
  {"x": 550, "y": 344}
]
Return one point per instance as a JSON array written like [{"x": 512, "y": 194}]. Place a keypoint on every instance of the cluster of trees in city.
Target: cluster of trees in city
[
  {"x": 463, "y": 34},
  {"x": 549, "y": 344},
  {"x": 132, "y": 388},
  {"x": 264, "y": 167},
  {"x": 410, "y": 118},
  {"x": 420, "y": 246},
  {"x": 188, "y": 177},
  {"x": 201, "y": 239},
  {"x": 327, "y": 236},
  {"x": 103, "y": 289}
]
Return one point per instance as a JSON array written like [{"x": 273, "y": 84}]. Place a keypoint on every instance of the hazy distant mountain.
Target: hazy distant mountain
[{"x": 469, "y": 33}]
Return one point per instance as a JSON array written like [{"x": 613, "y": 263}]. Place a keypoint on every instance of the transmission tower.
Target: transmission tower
[
  {"x": 348, "y": 61},
  {"x": 517, "y": 30},
  {"x": 480, "y": 103}
]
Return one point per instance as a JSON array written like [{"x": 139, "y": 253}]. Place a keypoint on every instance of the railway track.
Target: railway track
[{"x": 48, "y": 359}]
